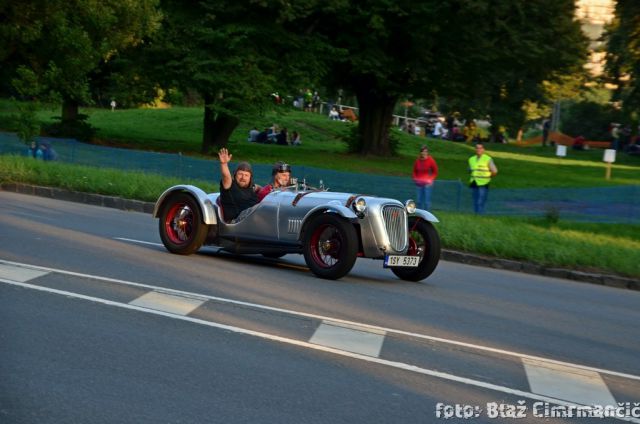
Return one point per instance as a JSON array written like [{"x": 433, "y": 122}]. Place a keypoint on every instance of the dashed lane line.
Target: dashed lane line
[
  {"x": 308, "y": 345},
  {"x": 370, "y": 328}
]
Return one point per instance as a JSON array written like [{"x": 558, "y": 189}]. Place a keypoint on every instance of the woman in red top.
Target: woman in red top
[{"x": 425, "y": 171}]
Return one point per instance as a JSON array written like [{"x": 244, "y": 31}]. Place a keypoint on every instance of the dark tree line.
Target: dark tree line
[{"x": 483, "y": 56}]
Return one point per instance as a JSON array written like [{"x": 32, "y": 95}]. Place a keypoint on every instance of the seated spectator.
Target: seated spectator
[
  {"x": 333, "y": 114},
  {"x": 281, "y": 177},
  {"x": 295, "y": 139},
  {"x": 253, "y": 135},
  {"x": 263, "y": 136},
  {"x": 349, "y": 115},
  {"x": 281, "y": 137},
  {"x": 35, "y": 151},
  {"x": 578, "y": 143}
]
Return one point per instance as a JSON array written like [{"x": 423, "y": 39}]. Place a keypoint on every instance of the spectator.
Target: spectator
[
  {"x": 113, "y": 105},
  {"x": 253, "y": 135},
  {"x": 295, "y": 139},
  {"x": 263, "y": 136},
  {"x": 615, "y": 136},
  {"x": 333, "y": 114},
  {"x": 281, "y": 137},
  {"x": 438, "y": 130},
  {"x": 546, "y": 127},
  {"x": 237, "y": 193},
  {"x": 481, "y": 168},
  {"x": 281, "y": 177},
  {"x": 425, "y": 171},
  {"x": 35, "y": 151},
  {"x": 578, "y": 143}
]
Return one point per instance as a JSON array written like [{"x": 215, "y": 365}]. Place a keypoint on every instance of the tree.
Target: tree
[
  {"x": 482, "y": 55},
  {"x": 58, "y": 43},
  {"x": 233, "y": 54},
  {"x": 623, "y": 53}
]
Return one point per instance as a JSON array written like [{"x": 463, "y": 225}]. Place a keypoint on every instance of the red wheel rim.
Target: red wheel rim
[
  {"x": 326, "y": 244},
  {"x": 178, "y": 223}
]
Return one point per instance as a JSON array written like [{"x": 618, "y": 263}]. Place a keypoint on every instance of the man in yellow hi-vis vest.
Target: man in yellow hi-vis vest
[{"x": 482, "y": 168}]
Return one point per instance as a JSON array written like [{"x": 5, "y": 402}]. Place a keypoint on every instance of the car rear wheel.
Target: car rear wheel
[
  {"x": 181, "y": 228},
  {"x": 330, "y": 246},
  {"x": 424, "y": 241}
]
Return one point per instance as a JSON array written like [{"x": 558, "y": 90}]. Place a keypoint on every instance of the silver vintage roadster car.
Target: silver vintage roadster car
[{"x": 330, "y": 229}]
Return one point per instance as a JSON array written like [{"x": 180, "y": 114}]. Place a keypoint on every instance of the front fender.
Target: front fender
[
  {"x": 427, "y": 216},
  {"x": 206, "y": 205},
  {"x": 333, "y": 206}
]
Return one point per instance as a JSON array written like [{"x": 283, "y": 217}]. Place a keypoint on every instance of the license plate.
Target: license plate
[{"x": 398, "y": 260}]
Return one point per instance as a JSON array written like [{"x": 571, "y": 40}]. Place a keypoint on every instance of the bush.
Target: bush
[{"x": 588, "y": 119}]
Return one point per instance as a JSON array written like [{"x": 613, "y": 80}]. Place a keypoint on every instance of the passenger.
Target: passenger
[
  {"x": 281, "y": 174},
  {"x": 237, "y": 193}
]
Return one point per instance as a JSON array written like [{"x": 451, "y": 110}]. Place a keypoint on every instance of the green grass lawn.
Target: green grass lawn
[{"x": 179, "y": 129}]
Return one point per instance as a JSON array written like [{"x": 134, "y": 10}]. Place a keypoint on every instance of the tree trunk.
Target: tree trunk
[
  {"x": 376, "y": 113},
  {"x": 69, "y": 110},
  {"x": 217, "y": 128}
]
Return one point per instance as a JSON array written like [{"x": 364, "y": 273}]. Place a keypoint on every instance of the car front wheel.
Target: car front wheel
[
  {"x": 330, "y": 246},
  {"x": 424, "y": 241},
  {"x": 181, "y": 228}
]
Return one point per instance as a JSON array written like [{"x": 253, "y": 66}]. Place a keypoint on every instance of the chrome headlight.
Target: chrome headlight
[
  {"x": 410, "y": 206},
  {"x": 360, "y": 205}
]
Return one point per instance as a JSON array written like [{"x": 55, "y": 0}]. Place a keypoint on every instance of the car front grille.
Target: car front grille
[{"x": 395, "y": 222}]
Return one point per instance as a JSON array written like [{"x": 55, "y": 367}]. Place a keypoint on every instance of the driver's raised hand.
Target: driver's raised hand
[{"x": 224, "y": 156}]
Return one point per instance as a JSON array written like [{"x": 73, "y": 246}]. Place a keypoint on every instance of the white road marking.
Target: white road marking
[
  {"x": 335, "y": 320},
  {"x": 138, "y": 241},
  {"x": 271, "y": 337},
  {"x": 179, "y": 305},
  {"x": 567, "y": 383},
  {"x": 19, "y": 273},
  {"x": 349, "y": 338}
]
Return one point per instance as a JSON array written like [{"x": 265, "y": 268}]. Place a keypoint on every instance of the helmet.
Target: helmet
[{"x": 280, "y": 167}]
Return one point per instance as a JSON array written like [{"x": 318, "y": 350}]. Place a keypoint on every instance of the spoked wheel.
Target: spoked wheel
[
  {"x": 424, "y": 241},
  {"x": 330, "y": 246},
  {"x": 181, "y": 228}
]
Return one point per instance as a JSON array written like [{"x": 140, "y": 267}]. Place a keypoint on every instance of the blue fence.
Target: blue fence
[{"x": 606, "y": 204}]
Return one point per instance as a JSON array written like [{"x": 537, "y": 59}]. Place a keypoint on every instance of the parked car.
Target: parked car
[{"x": 330, "y": 229}]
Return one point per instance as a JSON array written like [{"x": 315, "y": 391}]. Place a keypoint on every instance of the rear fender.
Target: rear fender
[{"x": 204, "y": 201}]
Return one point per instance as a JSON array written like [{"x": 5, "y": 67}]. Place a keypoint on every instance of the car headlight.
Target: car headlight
[
  {"x": 410, "y": 206},
  {"x": 360, "y": 205}
]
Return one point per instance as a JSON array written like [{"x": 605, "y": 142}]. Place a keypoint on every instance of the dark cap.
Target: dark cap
[
  {"x": 424, "y": 148},
  {"x": 244, "y": 166},
  {"x": 280, "y": 167}
]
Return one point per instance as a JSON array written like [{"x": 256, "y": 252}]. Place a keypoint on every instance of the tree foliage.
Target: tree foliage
[
  {"x": 623, "y": 53},
  {"x": 480, "y": 55},
  {"x": 52, "y": 46}
]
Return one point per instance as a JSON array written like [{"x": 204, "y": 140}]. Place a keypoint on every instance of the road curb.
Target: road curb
[{"x": 608, "y": 280}]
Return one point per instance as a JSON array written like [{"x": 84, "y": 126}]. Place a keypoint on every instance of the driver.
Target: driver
[
  {"x": 237, "y": 194},
  {"x": 281, "y": 177}
]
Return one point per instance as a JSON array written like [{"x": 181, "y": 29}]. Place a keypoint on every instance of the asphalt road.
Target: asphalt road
[{"x": 99, "y": 323}]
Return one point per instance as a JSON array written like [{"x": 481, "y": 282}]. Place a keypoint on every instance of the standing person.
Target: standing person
[
  {"x": 482, "y": 168},
  {"x": 425, "y": 171},
  {"x": 113, "y": 105},
  {"x": 438, "y": 130},
  {"x": 281, "y": 177},
  {"x": 546, "y": 127},
  {"x": 237, "y": 193}
]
